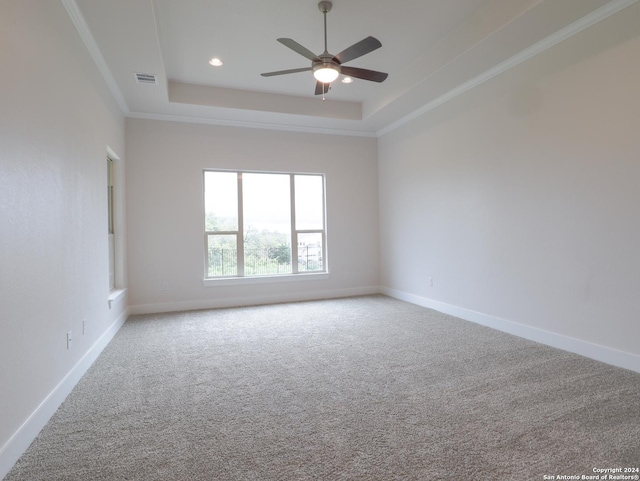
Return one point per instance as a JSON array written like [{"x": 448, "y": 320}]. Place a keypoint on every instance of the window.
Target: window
[
  {"x": 110, "y": 228},
  {"x": 263, "y": 224}
]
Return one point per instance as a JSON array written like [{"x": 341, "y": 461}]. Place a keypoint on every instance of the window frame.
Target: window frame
[
  {"x": 241, "y": 276},
  {"x": 111, "y": 223},
  {"x": 115, "y": 216}
]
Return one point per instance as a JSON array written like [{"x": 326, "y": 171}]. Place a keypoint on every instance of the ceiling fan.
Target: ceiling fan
[{"x": 327, "y": 67}]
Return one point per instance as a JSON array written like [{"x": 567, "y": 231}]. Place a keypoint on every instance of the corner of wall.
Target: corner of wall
[
  {"x": 28, "y": 431},
  {"x": 597, "y": 352}
]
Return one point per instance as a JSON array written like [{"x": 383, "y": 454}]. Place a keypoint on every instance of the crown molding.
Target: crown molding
[
  {"x": 546, "y": 43},
  {"x": 250, "y": 125}
]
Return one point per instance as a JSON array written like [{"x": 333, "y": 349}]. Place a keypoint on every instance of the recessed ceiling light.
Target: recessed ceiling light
[
  {"x": 347, "y": 80},
  {"x": 216, "y": 62}
]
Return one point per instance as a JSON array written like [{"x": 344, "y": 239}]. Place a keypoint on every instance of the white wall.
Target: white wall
[
  {"x": 165, "y": 161},
  {"x": 520, "y": 198},
  {"x": 56, "y": 120}
]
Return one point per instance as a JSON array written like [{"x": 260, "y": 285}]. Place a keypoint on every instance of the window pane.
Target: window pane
[
  {"x": 112, "y": 261},
  {"x": 222, "y": 255},
  {"x": 310, "y": 252},
  {"x": 309, "y": 202},
  {"x": 267, "y": 223},
  {"x": 267, "y": 260},
  {"x": 221, "y": 201}
]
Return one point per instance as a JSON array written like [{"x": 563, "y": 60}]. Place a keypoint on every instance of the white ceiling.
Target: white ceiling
[{"x": 432, "y": 50}]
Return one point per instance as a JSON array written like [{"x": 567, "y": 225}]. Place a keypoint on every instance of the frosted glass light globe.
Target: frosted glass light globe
[{"x": 326, "y": 74}]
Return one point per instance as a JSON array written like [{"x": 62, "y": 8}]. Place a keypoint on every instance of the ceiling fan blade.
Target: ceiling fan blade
[
  {"x": 296, "y": 47},
  {"x": 359, "y": 49},
  {"x": 322, "y": 88},
  {"x": 364, "y": 74},
  {"x": 284, "y": 72}
]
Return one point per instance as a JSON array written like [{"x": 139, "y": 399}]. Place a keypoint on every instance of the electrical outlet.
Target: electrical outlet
[
  {"x": 165, "y": 286},
  {"x": 430, "y": 281},
  {"x": 69, "y": 338}
]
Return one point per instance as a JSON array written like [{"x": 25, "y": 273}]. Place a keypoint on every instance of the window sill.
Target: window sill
[
  {"x": 114, "y": 295},
  {"x": 234, "y": 281}
]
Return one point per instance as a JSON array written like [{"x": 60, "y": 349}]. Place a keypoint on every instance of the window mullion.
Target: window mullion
[
  {"x": 240, "y": 234},
  {"x": 294, "y": 233},
  {"x": 220, "y": 232}
]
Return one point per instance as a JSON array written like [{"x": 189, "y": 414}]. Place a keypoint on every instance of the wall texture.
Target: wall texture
[
  {"x": 520, "y": 198},
  {"x": 56, "y": 120},
  {"x": 165, "y": 161}
]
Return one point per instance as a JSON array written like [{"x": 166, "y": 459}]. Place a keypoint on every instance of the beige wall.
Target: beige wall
[
  {"x": 56, "y": 120},
  {"x": 165, "y": 212},
  {"x": 520, "y": 198}
]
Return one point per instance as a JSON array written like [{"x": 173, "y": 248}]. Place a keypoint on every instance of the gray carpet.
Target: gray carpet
[{"x": 366, "y": 388}]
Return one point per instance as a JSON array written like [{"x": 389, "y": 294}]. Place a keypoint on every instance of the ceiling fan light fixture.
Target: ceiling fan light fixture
[
  {"x": 327, "y": 67},
  {"x": 326, "y": 74}
]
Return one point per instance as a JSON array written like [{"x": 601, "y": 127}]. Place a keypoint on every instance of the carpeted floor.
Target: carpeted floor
[{"x": 367, "y": 388}]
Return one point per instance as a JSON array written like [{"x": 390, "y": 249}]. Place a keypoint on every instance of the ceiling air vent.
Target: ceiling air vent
[{"x": 146, "y": 78}]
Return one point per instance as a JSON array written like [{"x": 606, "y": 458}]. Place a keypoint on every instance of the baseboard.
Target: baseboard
[
  {"x": 27, "y": 432},
  {"x": 588, "y": 349},
  {"x": 251, "y": 300}
]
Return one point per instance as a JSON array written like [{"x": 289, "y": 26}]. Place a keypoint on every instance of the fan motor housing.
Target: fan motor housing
[{"x": 326, "y": 61}]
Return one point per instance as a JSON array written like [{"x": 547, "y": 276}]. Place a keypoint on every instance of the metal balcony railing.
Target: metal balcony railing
[{"x": 263, "y": 261}]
